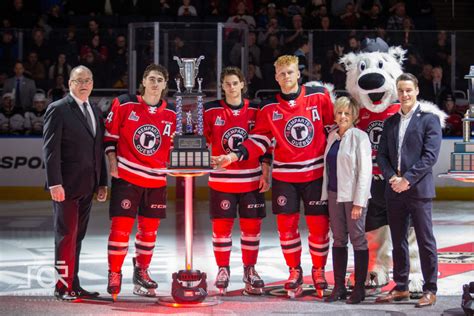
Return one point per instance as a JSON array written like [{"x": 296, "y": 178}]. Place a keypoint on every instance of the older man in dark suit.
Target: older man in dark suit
[
  {"x": 409, "y": 147},
  {"x": 23, "y": 88},
  {"x": 75, "y": 168}
]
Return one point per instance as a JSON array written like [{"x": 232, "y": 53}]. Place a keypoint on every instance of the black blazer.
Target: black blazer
[
  {"x": 72, "y": 155},
  {"x": 420, "y": 150}
]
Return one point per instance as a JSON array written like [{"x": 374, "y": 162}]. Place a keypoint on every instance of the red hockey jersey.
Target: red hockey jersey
[
  {"x": 372, "y": 124},
  {"x": 299, "y": 127},
  {"x": 225, "y": 129},
  {"x": 141, "y": 136}
]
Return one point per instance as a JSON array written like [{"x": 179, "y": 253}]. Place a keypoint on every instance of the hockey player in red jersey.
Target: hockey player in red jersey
[
  {"x": 297, "y": 118},
  {"x": 240, "y": 187},
  {"x": 138, "y": 138}
]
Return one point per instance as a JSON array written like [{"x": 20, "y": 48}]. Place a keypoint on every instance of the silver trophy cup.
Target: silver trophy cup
[{"x": 188, "y": 68}]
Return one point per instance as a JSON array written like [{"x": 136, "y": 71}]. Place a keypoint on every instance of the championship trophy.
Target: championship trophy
[
  {"x": 462, "y": 159},
  {"x": 190, "y": 150}
]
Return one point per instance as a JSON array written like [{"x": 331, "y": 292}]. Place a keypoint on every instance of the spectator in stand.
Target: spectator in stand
[
  {"x": 426, "y": 76},
  {"x": 332, "y": 70},
  {"x": 395, "y": 21},
  {"x": 435, "y": 91},
  {"x": 12, "y": 121},
  {"x": 122, "y": 82},
  {"x": 273, "y": 28},
  {"x": 339, "y": 7},
  {"x": 42, "y": 23},
  {"x": 118, "y": 56},
  {"x": 214, "y": 8},
  {"x": 8, "y": 50},
  {"x": 165, "y": 8},
  {"x": 60, "y": 67},
  {"x": 350, "y": 18},
  {"x": 266, "y": 13},
  {"x": 406, "y": 38},
  {"x": 441, "y": 50},
  {"x": 97, "y": 67},
  {"x": 454, "y": 120},
  {"x": 56, "y": 18},
  {"x": 413, "y": 64},
  {"x": 254, "y": 81},
  {"x": 353, "y": 45},
  {"x": 59, "y": 90},
  {"x": 254, "y": 51},
  {"x": 3, "y": 78},
  {"x": 364, "y": 7},
  {"x": 19, "y": 15},
  {"x": 302, "y": 53},
  {"x": 242, "y": 16},
  {"x": 34, "y": 118},
  {"x": 93, "y": 28},
  {"x": 295, "y": 7},
  {"x": 35, "y": 69},
  {"x": 373, "y": 19},
  {"x": 41, "y": 46},
  {"x": 101, "y": 52},
  {"x": 296, "y": 34},
  {"x": 69, "y": 45},
  {"x": 234, "y": 6},
  {"x": 270, "y": 52},
  {"x": 324, "y": 39},
  {"x": 23, "y": 88},
  {"x": 186, "y": 9}
]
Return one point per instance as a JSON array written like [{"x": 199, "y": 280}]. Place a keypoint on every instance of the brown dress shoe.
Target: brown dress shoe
[
  {"x": 393, "y": 296},
  {"x": 428, "y": 299}
]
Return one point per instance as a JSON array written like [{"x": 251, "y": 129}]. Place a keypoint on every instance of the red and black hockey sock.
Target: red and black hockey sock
[
  {"x": 120, "y": 229},
  {"x": 290, "y": 239},
  {"x": 250, "y": 239},
  {"x": 318, "y": 239},
  {"x": 145, "y": 240},
  {"x": 222, "y": 240}
]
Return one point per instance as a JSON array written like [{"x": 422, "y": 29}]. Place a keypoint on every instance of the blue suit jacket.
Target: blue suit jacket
[{"x": 420, "y": 150}]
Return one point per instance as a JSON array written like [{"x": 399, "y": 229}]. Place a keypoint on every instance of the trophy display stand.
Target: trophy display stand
[
  {"x": 189, "y": 158},
  {"x": 462, "y": 158},
  {"x": 189, "y": 287}
]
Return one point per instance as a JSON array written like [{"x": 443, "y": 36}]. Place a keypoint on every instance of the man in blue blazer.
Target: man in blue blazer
[
  {"x": 75, "y": 169},
  {"x": 409, "y": 147}
]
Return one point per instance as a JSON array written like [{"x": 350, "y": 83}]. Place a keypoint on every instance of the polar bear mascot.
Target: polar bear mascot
[{"x": 371, "y": 80}]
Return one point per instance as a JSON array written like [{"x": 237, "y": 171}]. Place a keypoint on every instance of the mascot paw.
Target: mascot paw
[
  {"x": 377, "y": 279},
  {"x": 415, "y": 286}
]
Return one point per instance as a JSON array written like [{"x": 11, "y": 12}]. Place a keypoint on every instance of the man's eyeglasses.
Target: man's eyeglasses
[{"x": 82, "y": 81}]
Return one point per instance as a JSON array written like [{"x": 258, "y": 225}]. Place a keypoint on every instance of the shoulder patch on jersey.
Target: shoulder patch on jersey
[
  {"x": 269, "y": 101},
  {"x": 314, "y": 89},
  {"x": 170, "y": 106},
  {"x": 126, "y": 98},
  {"x": 212, "y": 105}
]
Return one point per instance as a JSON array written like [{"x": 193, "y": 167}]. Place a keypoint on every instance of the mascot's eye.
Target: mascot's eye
[
  {"x": 362, "y": 66},
  {"x": 380, "y": 64}
]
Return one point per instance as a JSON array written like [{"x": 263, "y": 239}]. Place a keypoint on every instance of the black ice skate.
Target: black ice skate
[
  {"x": 253, "y": 283},
  {"x": 222, "y": 280},
  {"x": 293, "y": 285},
  {"x": 144, "y": 285},
  {"x": 115, "y": 284},
  {"x": 319, "y": 281}
]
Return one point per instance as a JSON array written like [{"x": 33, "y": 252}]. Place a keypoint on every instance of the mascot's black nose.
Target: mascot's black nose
[{"x": 371, "y": 81}]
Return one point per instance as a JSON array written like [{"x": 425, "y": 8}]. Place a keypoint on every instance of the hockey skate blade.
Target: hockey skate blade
[
  {"x": 114, "y": 297},
  {"x": 294, "y": 293},
  {"x": 141, "y": 291},
  {"x": 222, "y": 291},
  {"x": 249, "y": 290}
]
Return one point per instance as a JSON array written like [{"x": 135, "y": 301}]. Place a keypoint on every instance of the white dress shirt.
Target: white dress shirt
[
  {"x": 89, "y": 109},
  {"x": 404, "y": 122}
]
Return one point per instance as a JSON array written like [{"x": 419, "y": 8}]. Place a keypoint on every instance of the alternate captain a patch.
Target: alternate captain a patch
[{"x": 147, "y": 139}]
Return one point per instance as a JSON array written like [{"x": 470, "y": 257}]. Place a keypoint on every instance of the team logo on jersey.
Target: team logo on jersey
[
  {"x": 152, "y": 109},
  {"x": 375, "y": 133},
  {"x": 147, "y": 139},
  {"x": 292, "y": 103},
  {"x": 232, "y": 138},
  {"x": 225, "y": 205},
  {"x": 126, "y": 204},
  {"x": 282, "y": 200},
  {"x": 219, "y": 121},
  {"x": 299, "y": 131},
  {"x": 236, "y": 112},
  {"x": 133, "y": 116},
  {"x": 276, "y": 116}
]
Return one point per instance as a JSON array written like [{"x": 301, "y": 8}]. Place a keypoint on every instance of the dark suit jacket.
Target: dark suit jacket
[
  {"x": 73, "y": 156},
  {"x": 427, "y": 93},
  {"x": 27, "y": 90},
  {"x": 420, "y": 150}
]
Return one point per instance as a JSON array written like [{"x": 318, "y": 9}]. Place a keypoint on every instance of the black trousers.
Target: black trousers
[
  {"x": 70, "y": 225},
  {"x": 399, "y": 212}
]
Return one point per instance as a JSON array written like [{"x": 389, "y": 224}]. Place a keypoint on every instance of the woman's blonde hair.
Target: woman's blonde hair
[{"x": 351, "y": 104}]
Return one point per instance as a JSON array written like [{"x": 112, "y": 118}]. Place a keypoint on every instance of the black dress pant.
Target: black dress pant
[
  {"x": 399, "y": 212},
  {"x": 70, "y": 225}
]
